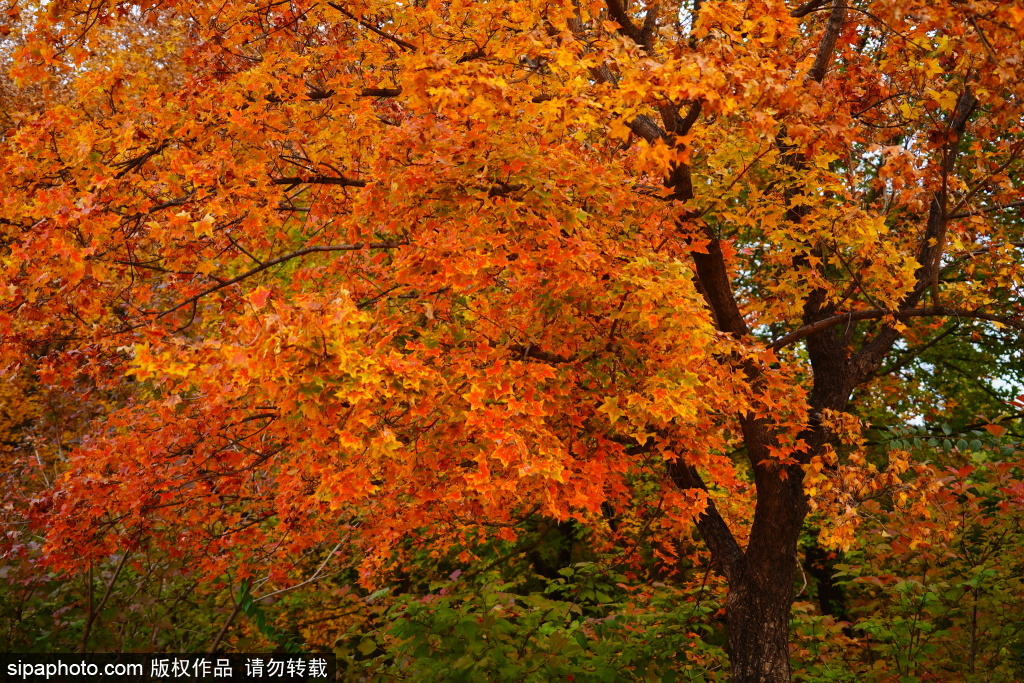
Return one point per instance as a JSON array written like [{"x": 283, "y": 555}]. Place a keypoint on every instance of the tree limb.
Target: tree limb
[
  {"x": 617, "y": 11},
  {"x": 929, "y": 254},
  {"x": 988, "y": 209},
  {"x": 365, "y": 24},
  {"x": 875, "y": 314},
  {"x": 827, "y": 46},
  {"x": 277, "y": 261},
  {"x": 380, "y": 92},
  {"x": 713, "y": 528},
  {"x": 292, "y": 181},
  {"x": 806, "y": 8}
]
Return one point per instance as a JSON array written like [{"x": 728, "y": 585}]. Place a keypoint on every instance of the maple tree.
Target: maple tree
[{"x": 387, "y": 278}]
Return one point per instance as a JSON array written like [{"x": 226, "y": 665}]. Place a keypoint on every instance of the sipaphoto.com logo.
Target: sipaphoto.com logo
[{"x": 75, "y": 669}]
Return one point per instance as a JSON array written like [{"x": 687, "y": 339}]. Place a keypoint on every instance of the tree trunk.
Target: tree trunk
[
  {"x": 757, "y": 613},
  {"x": 761, "y": 587}
]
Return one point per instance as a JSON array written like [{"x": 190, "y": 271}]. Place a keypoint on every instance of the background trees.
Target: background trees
[{"x": 376, "y": 286}]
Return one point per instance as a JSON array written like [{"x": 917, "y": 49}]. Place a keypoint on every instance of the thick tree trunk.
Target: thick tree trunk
[
  {"x": 757, "y": 613},
  {"x": 761, "y": 589}
]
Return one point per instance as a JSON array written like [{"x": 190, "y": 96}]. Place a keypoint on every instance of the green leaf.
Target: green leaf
[{"x": 366, "y": 646}]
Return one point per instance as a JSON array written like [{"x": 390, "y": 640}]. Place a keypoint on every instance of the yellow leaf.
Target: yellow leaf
[
  {"x": 947, "y": 100},
  {"x": 612, "y": 409}
]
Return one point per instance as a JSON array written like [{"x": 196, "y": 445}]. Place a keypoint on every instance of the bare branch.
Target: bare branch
[
  {"x": 988, "y": 209},
  {"x": 827, "y": 46},
  {"x": 279, "y": 260},
  {"x": 292, "y": 181},
  {"x": 874, "y": 314},
  {"x": 365, "y": 24},
  {"x": 380, "y": 92},
  {"x": 806, "y": 8}
]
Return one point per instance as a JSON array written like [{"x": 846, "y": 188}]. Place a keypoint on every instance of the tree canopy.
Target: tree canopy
[{"x": 398, "y": 280}]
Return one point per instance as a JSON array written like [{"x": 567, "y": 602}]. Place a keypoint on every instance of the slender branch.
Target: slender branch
[
  {"x": 136, "y": 163},
  {"x": 980, "y": 251},
  {"x": 365, "y": 24},
  {"x": 169, "y": 203},
  {"x": 806, "y": 8},
  {"x": 881, "y": 101},
  {"x": 874, "y": 314},
  {"x": 907, "y": 358},
  {"x": 380, "y": 92},
  {"x": 313, "y": 95},
  {"x": 227, "y": 624},
  {"x": 530, "y": 351},
  {"x": 279, "y": 260},
  {"x": 932, "y": 245},
  {"x": 94, "y": 613},
  {"x": 318, "y": 180},
  {"x": 988, "y": 209},
  {"x": 993, "y": 172},
  {"x": 984, "y": 41},
  {"x": 315, "y": 577},
  {"x": 973, "y": 378}
]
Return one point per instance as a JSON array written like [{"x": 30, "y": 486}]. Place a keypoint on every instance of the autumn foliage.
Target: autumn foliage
[{"x": 392, "y": 284}]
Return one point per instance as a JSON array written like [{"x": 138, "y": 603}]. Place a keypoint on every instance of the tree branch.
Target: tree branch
[
  {"x": 277, "y": 261},
  {"x": 908, "y": 357},
  {"x": 929, "y": 253},
  {"x": 94, "y": 613},
  {"x": 292, "y": 181},
  {"x": 642, "y": 126},
  {"x": 988, "y": 209},
  {"x": 530, "y": 351},
  {"x": 380, "y": 92},
  {"x": 365, "y": 24},
  {"x": 806, "y": 8},
  {"x": 875, "y": 314},
  {"x": 827, "y": 46},
  {"x": 712, "y": 527},
  {"x": 626, "y": 26}
]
